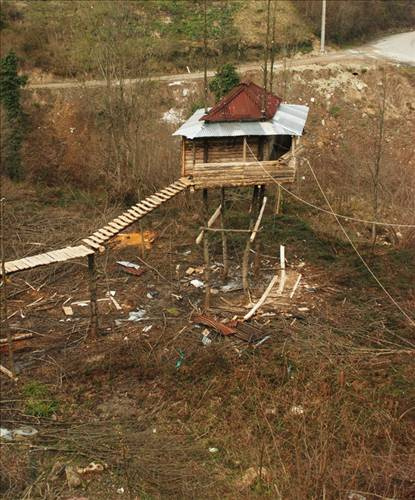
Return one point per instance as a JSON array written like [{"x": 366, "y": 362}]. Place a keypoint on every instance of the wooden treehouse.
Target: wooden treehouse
[{"x": 248, "y": 138}]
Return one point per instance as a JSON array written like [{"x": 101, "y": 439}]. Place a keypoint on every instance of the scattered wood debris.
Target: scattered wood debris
[{"x": 213, "y": 323}]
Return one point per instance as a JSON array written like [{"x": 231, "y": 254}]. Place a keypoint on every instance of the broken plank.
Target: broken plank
[
  {"x": 217, "y": 325},
  {"x": 258, "y": 221},
  {"x": 262, "y": 299},
  {"x": 295, "y": 286},
  {"x": 211, "y": 221}
]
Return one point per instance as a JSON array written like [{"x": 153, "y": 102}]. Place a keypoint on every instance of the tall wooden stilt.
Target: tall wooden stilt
[
  {"x": 224, "y": 236},
  {"x": 4, "y": 318},
  {"x": 278, "y": 198},
  {"x": 206, "y": 249},
  {"x": 257, "y": 260},
  {"x": 245, "y": 258},
  {"x": 93, "y": 328}
]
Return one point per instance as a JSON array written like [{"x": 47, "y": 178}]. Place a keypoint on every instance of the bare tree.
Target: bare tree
[{"x": 375, "y": 167}]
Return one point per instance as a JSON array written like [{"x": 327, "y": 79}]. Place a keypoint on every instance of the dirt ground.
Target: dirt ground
[
  {"x": 166, "y": 408},
  {"x": 323, "y": 407}
]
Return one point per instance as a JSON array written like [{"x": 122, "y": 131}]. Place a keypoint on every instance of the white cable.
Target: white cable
[
  {"x": 371, "y": 222},
  {"x": 411, "y": 321}
]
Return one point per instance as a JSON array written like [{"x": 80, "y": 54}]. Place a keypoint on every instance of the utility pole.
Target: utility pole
[
  {"x": 323, "y": 27},
  {"x": 205, "y": 84}
]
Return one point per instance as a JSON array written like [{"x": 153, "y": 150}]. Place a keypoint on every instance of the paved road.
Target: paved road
[{"x": 398, "y": 47}]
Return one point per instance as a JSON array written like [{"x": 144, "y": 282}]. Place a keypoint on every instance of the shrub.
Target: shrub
[{"x": 225, "y": 79}]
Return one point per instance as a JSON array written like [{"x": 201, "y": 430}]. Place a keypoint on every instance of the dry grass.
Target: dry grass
[{"x": 123, "y": 402}]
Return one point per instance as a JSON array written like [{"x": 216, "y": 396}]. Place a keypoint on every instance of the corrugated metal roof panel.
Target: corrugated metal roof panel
[{"x": 288, "y": 120}]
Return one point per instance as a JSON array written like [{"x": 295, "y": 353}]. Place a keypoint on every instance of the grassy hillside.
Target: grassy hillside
[{"x": 83, "y": 38}]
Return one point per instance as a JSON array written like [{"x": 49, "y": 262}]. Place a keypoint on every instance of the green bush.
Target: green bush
[{"x": 225, "y": 79}]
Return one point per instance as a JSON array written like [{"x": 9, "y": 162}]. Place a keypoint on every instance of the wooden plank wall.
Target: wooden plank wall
[
  {"x": 233, "y": 174},
  {"x": 220, "y": 150}
]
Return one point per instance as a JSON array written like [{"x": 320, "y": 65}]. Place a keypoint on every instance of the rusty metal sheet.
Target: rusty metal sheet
[{"x": 244, "y": 103}]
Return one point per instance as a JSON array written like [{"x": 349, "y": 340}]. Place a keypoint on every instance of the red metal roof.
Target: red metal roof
[{"x": 243, "y": 103}]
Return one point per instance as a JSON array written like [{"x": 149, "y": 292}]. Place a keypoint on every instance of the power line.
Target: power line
[
  {"x": 321, "y": 209},
  {"x": 411, "y": 321}
]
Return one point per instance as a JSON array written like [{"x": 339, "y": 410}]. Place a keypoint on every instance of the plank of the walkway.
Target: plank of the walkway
[
  {"x": 125, "y": 219},
  {"x": 100, "y": 237},
  {"x": 97, "y": 239},
  {"x": 170, "y": 191},
  {"x": 110, "y": 229},
  {"x": 10, "y": 267},
  {"x": 121, "y": 223},
  {"x": 115, "y": 226},
  {"x": 142, "y": 208},
  {"x": 92, "y": 244},
  {"x": 135, "y": 213},
  {"x": 156, "y": 199},
  {"x": 105, "y": 233},
  {"x": 162, "y": 196},
  {"x": 148, "y": 204},
  {"x": 179, "y": 185}
]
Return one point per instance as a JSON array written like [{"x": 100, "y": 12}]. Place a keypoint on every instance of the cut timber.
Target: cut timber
[
  {"x": 262, "y": 299},
  {"x": 210, "y": 222},
  {"x": 7, "y": 372},
  {"x": 258, "y": 221},
  {"x": 19, "y": 336},
  {"x": 217, "y": 325},
  {"x": 295, "y": 286}
]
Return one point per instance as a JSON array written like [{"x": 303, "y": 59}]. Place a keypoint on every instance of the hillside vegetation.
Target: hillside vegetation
[{"x": 80, "y": 38}]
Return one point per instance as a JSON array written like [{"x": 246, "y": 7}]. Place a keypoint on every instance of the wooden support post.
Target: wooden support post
[
  {"x": 210, "y": 223},
  {"x": 282, "y": 257},
  {"x": 258, "y": 221},
  {"x": 224, "y": 235},
  {"x": 4, "y": 318},
  {"x": 245, "y": 257},
  {"x": 244, "y": 150},
  {"x": 206, "y": 250},
  {"x": 278, "y": 198},
  {"x": 261, "y": 203},
  {"x": 282, "y": 272},
  {"x": 93, "y": 328},
  {"x": 254, "y": 199}
]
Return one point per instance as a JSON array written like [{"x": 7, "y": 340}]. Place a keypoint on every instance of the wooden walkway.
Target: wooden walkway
[{"x": 96, "y": 241}]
